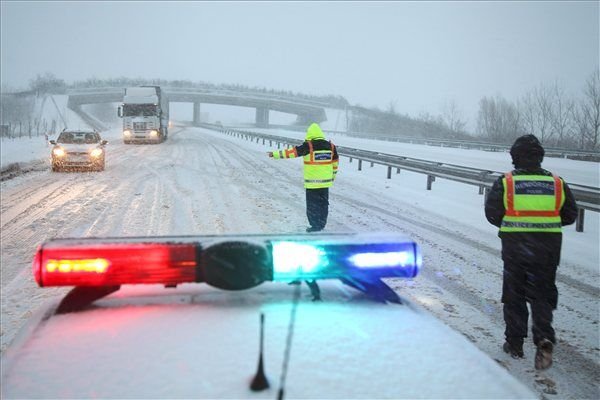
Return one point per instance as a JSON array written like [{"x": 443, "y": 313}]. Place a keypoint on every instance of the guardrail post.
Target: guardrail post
[
  {"x": 278, "y": 144},
  {"x": 359, "y": 164},
  {"x": 579, "y": 220},
  {"x": 486, "y": 192},
  {"x": 430, "y": 180},
  {"x": 389, "y": 176},
  {"x": 372, "y": 163},
  {"x": 397, "y": 170},
  {"x": 481, "y": 189},
  {"x": 350, "y": 160},
  {"x": 263, "y": 141},
  {"x": 270, "y": 143}
]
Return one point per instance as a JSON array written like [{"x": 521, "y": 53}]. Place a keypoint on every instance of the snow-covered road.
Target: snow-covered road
[{"x": 203, "y": 182}]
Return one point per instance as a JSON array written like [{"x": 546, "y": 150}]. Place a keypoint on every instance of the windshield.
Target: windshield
[
  {"x": 313, "y": 118},
  {"x": 140, "y": 110},
  {"x": 78, "y": 138}
]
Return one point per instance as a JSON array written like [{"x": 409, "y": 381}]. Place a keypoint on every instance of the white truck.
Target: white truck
[{"x": 145, "y": 113}]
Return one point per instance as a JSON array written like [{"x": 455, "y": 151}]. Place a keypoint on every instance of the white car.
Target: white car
[
  {"x": 257, "y": 332},
  {"x": 78, "y": 149}
]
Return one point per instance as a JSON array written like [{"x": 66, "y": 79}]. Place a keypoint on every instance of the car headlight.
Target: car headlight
[
  {"x": 96, "y": 152},
  {"x": 58, "y": 152},
  {"x": 153, "y": 133},
  {"x": 126, "y": 132}
]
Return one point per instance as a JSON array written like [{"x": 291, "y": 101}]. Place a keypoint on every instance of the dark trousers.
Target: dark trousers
[
  {"x": 530, "y": 277},
  {"x": 317, "y": 207}
]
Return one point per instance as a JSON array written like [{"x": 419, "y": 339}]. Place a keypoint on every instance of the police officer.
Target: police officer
[
  {"x": 529, "y": 205},
  {"x": 320, "y": 167}
]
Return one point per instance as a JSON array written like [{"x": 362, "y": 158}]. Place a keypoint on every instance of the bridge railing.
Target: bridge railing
[
  {"x": 588, "y": 197},
  {"x": 225, "y": 92},
  {"x": 257, "y": 95}
]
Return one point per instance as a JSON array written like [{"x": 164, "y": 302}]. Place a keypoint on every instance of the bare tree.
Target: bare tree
[
  {"x": 48, "y": 83},
  {"x": 591, "y": 107},
  {"x": 452, "y": 117},
  {"x": 543, "y": 102},
  {"x": 561, "y": 117},
  {"x": 498, "y": 119},
  {"x": 391, "y": 108},
  {"x": 528, "y": 109},
  {"x": 580, "y": 124}
]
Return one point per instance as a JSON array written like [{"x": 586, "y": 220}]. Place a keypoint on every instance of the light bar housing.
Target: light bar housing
[
  {"x": 75, "y": 263},
  {"x": 229, "y": 262}
]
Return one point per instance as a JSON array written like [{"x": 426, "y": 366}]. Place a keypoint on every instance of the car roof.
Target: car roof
[
  {"x": 196, "y": 341},
  {"x": 79, "y": 131}
]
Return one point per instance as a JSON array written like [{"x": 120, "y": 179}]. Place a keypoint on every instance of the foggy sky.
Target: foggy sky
[{"x": 415, "y": 54}]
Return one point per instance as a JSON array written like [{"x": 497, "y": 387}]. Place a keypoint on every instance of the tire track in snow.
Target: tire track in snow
[{"x": 569, "y": 359}]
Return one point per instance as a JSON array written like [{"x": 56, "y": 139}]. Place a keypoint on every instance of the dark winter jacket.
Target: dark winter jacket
[
  {"x": 494, "y": 204},
  {"x": 318, "y": 144}
]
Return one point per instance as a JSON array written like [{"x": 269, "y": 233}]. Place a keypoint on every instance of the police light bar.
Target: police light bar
[{"x": 227, "y": 262}]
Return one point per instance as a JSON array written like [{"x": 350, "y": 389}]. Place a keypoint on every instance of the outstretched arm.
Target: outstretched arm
[{"x": 292, "y": 152}]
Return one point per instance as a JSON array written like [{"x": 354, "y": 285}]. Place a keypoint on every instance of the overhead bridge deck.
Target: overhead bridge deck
[{"x": 305, "y": 110}]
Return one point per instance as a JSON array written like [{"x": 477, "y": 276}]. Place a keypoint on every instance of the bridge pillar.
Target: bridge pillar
[
  {"x": 196, "y": 121},
  {"x": 262, "y": 117}
]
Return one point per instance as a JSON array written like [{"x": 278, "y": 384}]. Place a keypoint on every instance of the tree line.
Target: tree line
[
  {"x": 559, "y": 120},
  {"x": 546, "y": 111}
]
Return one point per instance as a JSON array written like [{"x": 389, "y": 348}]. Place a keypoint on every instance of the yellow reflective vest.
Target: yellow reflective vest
[
  {"x": 532, "y": 203},
  {"x": 320, "y": 158}
]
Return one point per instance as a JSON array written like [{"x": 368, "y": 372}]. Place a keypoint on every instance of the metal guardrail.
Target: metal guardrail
[
  {"x": 593, "y": 155},
  {"x": 588, "y": 197}
]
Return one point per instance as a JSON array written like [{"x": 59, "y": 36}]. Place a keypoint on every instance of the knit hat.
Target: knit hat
[{"x": 527, "y": 151}]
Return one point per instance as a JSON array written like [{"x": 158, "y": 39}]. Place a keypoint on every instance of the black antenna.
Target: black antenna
[
  {"x": 288, "y": 344},
  {"x": 260, "y": 381}
]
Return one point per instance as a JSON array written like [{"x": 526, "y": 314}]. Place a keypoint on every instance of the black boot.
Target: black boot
[
  {"x": 514, "y": 349},
  {"x": 543, "y": 355}
]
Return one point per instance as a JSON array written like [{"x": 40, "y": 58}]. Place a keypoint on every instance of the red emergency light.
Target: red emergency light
[{"x": 115, "y": 264}]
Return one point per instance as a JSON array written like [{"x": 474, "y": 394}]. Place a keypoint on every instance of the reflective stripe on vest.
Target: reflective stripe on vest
[
  {"x": 318, "y": 167},
  {"x": 532, "y": 203}
]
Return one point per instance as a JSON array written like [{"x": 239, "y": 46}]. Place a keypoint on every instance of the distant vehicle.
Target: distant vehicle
[
  {"x": 145, "y": 113},
  {"x": 77, "y": 149},
  {"x": 258, "y": 332}
]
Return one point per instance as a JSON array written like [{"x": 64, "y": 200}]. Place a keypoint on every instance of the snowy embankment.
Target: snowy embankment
[
  {"x": 202, "y": 182},
  {"x": 32, "y": 152}
]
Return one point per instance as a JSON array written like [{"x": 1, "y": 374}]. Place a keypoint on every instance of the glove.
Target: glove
[{"x": 270, "y": 154}]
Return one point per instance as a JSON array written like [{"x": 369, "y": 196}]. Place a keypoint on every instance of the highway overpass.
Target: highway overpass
[{"x": 306, "y": 111}]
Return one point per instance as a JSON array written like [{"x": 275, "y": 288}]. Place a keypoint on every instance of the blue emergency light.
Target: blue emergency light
[{"x": 334, "y": 259}]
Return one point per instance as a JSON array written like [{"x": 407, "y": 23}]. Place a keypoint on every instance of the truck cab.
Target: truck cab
[{"x": 145, "y": 113}]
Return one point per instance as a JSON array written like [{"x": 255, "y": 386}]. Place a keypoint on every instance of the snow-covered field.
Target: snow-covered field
[{"x": 203, "y": 182}]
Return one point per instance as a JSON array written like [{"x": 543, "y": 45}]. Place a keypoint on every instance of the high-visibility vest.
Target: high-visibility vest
[
  {"x": 532, "y": 203},
  {"x": 319, "y": 167}
]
